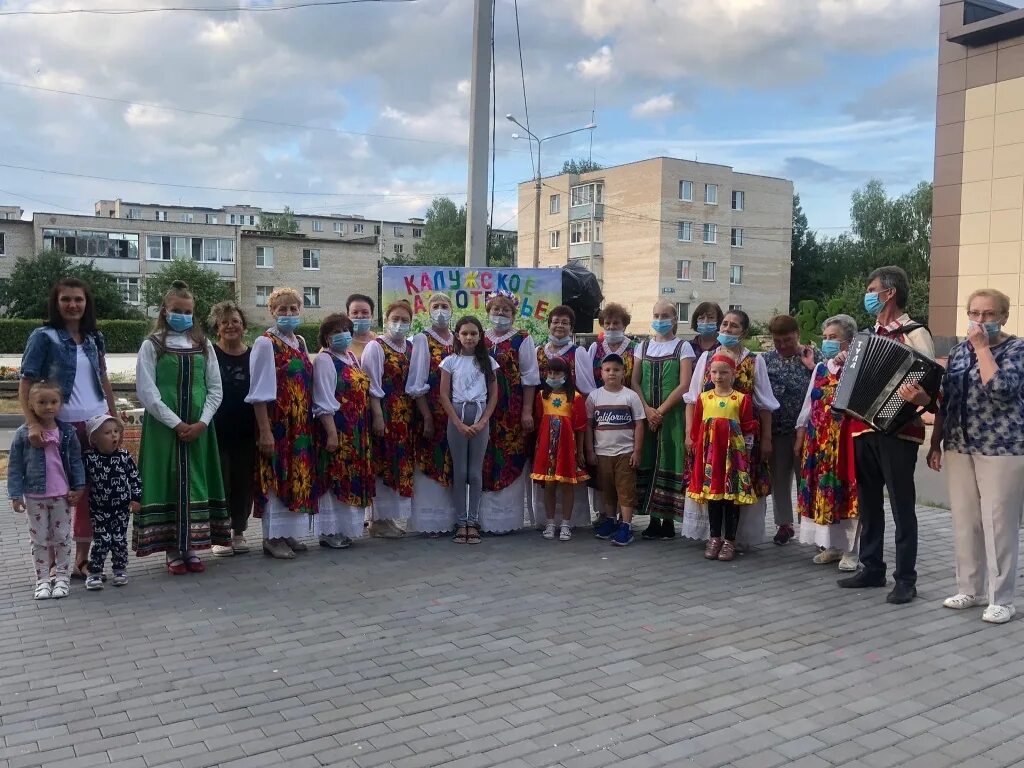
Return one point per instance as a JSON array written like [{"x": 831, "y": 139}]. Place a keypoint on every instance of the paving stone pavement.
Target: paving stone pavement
[{"x": 519, "y": 652}]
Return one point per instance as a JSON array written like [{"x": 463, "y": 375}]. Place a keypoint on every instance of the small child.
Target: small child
[
  {"x": 558, "y": 460},
  {"x": 47, "y": 482},
  {"x": 469, "y": 394},
  {"x": 615, "y": 439},
  {"x": 116, "y": 491},
  {"x": 723, "y": 434}
]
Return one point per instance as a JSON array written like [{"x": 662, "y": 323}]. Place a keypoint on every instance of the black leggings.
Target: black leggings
[{"x": 726, "y": 512}]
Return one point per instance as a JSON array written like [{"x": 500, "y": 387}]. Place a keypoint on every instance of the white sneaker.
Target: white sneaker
[
  {"x": 961, "y": 601},
  {"x": 998, "y": 614},
  {"x": 238, "y": 545},
  {"x": 827, "y": 556},
  {"x": 221, "y": 550},
  {"x": 549, "y": 531},
  {"x": 850, "y": 563},
  {"x": 565, "y": 534}
]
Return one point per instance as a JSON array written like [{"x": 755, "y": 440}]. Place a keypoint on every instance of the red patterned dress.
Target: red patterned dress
[
  {"x": 722, "y": 467},
  {"x": 560, "y": 425},
  {"x": 394, "y": 458},
  {"x": 600, "y": 349}
]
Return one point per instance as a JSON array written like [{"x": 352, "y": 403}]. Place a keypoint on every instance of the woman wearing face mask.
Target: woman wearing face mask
[
  {"x": 560, "y": 345},
  {"x": 751, "y": 379},
  {"x": 359, "y": 309},
  {"x": 433, "y": 512},
  {"x": 660, "y": 377},
  {"x": 505, "y": 458},
  {"x": 386, "y": 360},
  {"x": 614, "y": 319},
  {"x": 823, "y": 455},
  {"x": 706, "y": 319},
  {"x": 282, "y": 396},
  {"x": 981, "y": 425},
  {"x": 345, "y": 468}
]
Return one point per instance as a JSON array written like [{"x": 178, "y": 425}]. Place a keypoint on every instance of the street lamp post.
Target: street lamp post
[{"x": 537, "y": 179}]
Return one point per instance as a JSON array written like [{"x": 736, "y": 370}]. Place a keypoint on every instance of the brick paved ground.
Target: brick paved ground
[{"x": 518, "y": 653}]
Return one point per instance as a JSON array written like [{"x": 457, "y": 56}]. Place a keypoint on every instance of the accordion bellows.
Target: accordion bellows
[{"x": 876, "y": 367}]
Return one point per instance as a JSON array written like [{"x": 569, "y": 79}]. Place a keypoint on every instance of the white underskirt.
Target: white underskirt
[
  {"x": 389, "y": 505},
  {"x": 337, "y": 519},
  {"x": 279, "y": 522},
  {"x": 580, "y": 517},
  {"x": 433, "y": 510},
  {"x": 843, "y": 535},
  {"x": 505, "y": 510},
  {"x": 751, "y": 530}
]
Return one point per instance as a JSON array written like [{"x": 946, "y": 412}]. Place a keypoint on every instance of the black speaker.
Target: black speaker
[{"x": 581, "y": 292}]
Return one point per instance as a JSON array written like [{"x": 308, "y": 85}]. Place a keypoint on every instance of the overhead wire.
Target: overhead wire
[
  {"x": 196, "y": 8},
  {"x": 522, "y": 76}
]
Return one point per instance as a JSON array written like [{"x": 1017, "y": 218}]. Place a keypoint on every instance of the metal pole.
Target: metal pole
[
  {"x": 479, "y": 140},
  {"x": 536, "y": 214}
]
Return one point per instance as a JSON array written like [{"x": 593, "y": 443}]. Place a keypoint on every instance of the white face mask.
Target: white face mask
[
  {"x": 440, "y": 316},
  {"x": 399, "y": 329}
]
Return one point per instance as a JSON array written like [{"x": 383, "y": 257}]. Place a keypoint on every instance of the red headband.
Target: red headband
[{"x": 724, "y": 359}]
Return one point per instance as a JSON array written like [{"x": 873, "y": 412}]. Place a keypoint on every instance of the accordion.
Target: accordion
[{"x": 876, "y": 367}]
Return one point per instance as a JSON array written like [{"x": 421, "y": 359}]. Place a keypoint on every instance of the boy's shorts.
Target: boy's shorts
[{"x": 618, "y": 482}]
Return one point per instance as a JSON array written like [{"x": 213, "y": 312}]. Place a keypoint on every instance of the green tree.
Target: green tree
[
  {"x": 26, "y": 292},
  {"x": 576, "y": 166},
  {"x": 205, "y": 285},
  {"x": 444, "y": 240},
  {"x": 283, "y": 223}
]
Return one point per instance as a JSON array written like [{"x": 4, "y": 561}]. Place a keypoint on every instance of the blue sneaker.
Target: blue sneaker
[
  {"x": 623, "y": 536},
  {"x": 605, "y": 529}
]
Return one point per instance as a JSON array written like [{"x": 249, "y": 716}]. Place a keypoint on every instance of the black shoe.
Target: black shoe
[
  {"x": 783, "y": 535},
  {"x": 901, "y": 593},
  {"x": 668, "y": 529},
  {"x": 861, "y": 580},
  {"x": 653, "y": 531}
]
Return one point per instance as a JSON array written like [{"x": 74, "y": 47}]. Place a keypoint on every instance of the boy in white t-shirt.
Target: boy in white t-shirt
[{"x": 615, "y": 439}]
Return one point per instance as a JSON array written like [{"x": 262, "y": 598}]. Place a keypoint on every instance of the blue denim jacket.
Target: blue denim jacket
[
  {"x": 26, "y": 471},
  {"x": 52, "y": 354}
]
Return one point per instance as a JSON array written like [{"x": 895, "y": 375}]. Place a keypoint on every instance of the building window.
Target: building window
[
  {"x": 3, "y": 244},
  {"x": 339, "y": 228},
  {"x": 737, "y": 237},
  {"x": 311, "y": 297},
  {"x": 96, "y": 245},
  {"x": 734, "y": 307},
  {"x": 399, "y": 231},
  {"x": 710, "y": 234},
  {"x": 358, "y": 229},
  {"x": 685, "y": 234},
  {"x": 586, "y": 231},
  {"x": 585, "y": 194},
  {"x": 134, "y": 213},
  {"x": 736, "y": 275},
  {"x": 686, "y": 191},
  {"x": 683, "y": 269},
  {"x": 209, "y": 250},
  {"x": 187, "y": 218},
  {"x": 556, "y": 239},
  {"x": 711, "y": 194},
  {"x": 263, "y": 294},
  {"x": 311, "y": 258},
  {"x": 160, "y": 215},
  {"x": 376, "y": 229},
  {"x": 264, "y": 256},
  {"x": 129, "y": 287},
  {"x": 399, "y": 249},
  {"x": 708, "y": 272},
  {"x": 555, "y": 204},
  {"x": 683, "y": 313},
  {"x": 318, "y": 226},
  {"x": 232, "y": 219},
  {"x": 739, "y": 199},
  {"x": 211, "y": 218},
  {"x": 417, "y": 232}
]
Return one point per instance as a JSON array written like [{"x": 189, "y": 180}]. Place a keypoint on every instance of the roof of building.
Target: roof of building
[
  {"x": 987, "y": 22},
  {"x": 652, "y": 159}
]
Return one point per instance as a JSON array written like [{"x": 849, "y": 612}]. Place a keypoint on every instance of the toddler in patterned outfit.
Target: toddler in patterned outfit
[
  {"x": 115, "y": 491},
  {"x": 46, "y": 483}
]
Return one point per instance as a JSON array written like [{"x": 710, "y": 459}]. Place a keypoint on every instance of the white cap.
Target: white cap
[{"x": 96, "y": 422}]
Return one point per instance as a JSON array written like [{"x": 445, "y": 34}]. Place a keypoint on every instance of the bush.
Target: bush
[
  {"x": 121, "y": 335},
  {"x": 14, "y": 334}
]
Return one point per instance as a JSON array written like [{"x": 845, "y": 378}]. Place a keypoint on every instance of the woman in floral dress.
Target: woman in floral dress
[
  {"x": 433, "y": 512},
  {"x": 386, "y": 360},
  {"x": 346, "y": 479},
  {"x": 827, "y": 488},
  {"x": 505, "y": 459}
]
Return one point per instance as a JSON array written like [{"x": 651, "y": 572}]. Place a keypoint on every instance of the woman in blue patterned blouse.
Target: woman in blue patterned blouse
[{"x": 981, "y": 426}]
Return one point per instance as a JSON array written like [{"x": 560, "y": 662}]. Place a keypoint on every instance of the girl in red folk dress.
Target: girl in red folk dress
[
  {"x": 561, "y": 416},
  {"x": 723, "y": 433}
]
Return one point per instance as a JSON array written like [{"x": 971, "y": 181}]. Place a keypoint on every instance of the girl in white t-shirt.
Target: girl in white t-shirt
[{"x": 469, "y": 394}]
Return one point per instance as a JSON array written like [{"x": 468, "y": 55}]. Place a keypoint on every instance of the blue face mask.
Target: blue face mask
[
  {"x": 614, "y": 337},
  {"x": 288, "y": 324},
  {"x": 873, "y": 303},
  {"x": 179, "y": 322},
  {"x": 555, "y": 383},
  {"x": 830, "y": 348},
  {"x": 992, "y": 329},
  {"x": 664, "y": 327},
  {"x": 707, "y": 329},
  {"x": 341, "y": 341},
  {"x": 728, "y": 339},
  {"x": 362, "y": 325},
  {"x": 559, "y": 342}
]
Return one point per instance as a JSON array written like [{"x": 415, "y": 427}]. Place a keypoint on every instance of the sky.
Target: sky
[{"x": 363, "y": 108}]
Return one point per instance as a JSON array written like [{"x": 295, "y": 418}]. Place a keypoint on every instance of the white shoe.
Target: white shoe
[
  {"x": 998, "y": 614},
  {"x": 222, "y": 550},
  {"x": 62, "y": 588},
  {"x": 961, "y": 601},
  {"x": 238, "y": 545},
  {"x": 827, "y": 556},
  {"x": 549, "y": 531},
  {"x": 565, "y": 534},
  {"x": 850, "y": 563},
  {"x": 335, "y": 542},
  {"x": 44, "y": 590}
]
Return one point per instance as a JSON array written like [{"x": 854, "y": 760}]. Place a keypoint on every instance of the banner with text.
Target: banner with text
[{"x": 538, "y": 291}]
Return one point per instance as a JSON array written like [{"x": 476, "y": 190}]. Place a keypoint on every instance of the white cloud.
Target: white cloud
[
  {"x": 599, "y": 66},
  {"x": 656, "y": 106},
  {"x": 140, "y": 116}
]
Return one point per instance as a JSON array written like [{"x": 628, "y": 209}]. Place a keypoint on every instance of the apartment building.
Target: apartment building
[
  {"x": 667, "y": 228},
  {"x": 978, "y": 204},
  {"x": 15, "y": 237}
]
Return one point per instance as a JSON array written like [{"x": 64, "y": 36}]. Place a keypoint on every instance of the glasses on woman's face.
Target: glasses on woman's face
[{"x": 986, "y": 316}]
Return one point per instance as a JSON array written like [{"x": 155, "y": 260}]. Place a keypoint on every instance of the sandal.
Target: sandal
[
  {"x": 176, "y": 567},
  {"x": 472, "y": 535},
  {"x": 61, "y": 588},
  {"x": 44, "y": 590},
  {"x": 461, "y": 536},
  {"x": 193, "y": 564}
]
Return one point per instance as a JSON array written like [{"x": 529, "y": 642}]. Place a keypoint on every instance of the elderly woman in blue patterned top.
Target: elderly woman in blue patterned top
[{"x": 981, "y": 425}]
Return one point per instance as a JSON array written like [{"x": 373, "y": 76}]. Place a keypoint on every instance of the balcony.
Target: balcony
[
  {"x": 586, "y": 211},
  {"x": 586, "y": 250},
  {"x": 113, "y": 266}
]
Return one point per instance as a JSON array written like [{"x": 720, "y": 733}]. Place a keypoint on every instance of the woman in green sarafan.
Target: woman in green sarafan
[{"x": 178, "y": 383}]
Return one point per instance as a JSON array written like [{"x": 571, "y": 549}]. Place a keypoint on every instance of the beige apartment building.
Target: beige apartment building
[
  {"x": 15, "y": 237},
  {"x": 979, "y": 162},
  {"x": 667, "y": 228}
]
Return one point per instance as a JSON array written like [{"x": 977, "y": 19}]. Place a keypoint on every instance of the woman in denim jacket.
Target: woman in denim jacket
[{"x": 70, "y": 351}]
